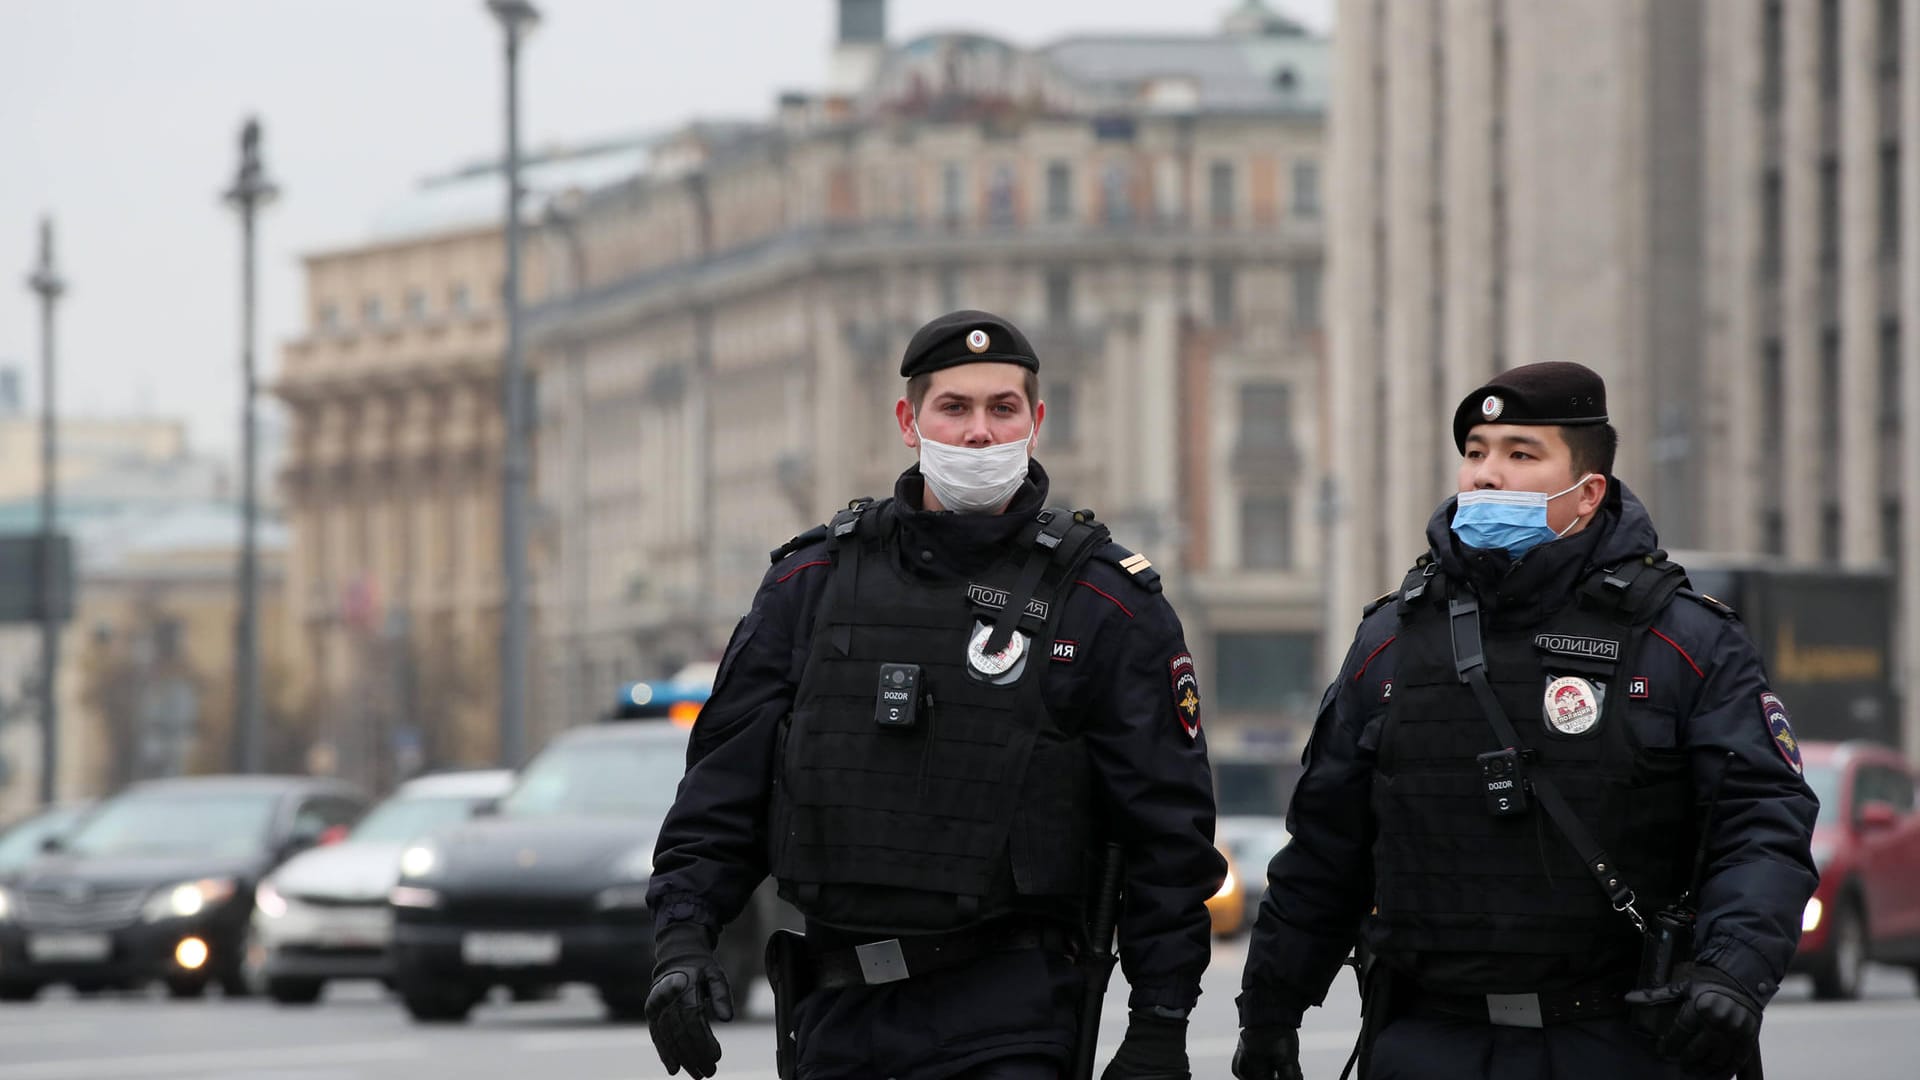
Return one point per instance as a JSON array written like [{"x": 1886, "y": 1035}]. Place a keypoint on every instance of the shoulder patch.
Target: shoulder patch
[
  {"x": 1379, "y": 602},
  {"x": 1137, "y": 567},
  {"x": 1780, "y": 729}
]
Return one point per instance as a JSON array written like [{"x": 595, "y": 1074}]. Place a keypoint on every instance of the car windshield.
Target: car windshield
[
  {"x": 175, "y": 823},
  {"x": 1254, "y": 788},
  {"x": 1825, "y": 782},
  {"x": 598, "y": 778},
  {"x": 401, "y": 819},
  {"x": 21, "y": 844}
]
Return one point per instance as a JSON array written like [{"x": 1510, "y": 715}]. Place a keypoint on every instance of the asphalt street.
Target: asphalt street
[{"x": 357, "y": 1033}]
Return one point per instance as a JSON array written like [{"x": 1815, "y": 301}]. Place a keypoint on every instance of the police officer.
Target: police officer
[
  {"x": 1541, "y": 743},
  {"x": 938, "y": 711}
]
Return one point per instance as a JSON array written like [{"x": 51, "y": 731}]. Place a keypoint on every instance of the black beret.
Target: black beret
[
  {"x": 966, "y": 337},
  {"x": 1555, "y": 393}
]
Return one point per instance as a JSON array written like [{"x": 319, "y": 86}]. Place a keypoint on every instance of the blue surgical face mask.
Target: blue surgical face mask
[{"x": 1515, "y": 521}]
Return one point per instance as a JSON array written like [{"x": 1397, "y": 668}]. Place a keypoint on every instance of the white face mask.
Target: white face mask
[{"x": 973, "y": 480}]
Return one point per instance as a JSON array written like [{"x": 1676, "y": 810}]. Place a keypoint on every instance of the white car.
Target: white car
[{"x": 323, "y": 914}]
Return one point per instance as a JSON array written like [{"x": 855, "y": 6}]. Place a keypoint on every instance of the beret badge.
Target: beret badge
[
  {"x": 1492, "y": 407},
  {"x": 977, "y": 341}
]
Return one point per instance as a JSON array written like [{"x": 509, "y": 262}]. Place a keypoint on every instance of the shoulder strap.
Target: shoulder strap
[
  {"x": 1470, "y": 663},
  {"x": 1711, "y": 603},
  {"x": 1424, "y": 584},
  {"x": 1062, "y": 539},
  {"x": 806, "y": 539}
]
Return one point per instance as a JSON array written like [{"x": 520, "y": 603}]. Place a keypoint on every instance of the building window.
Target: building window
[
  {"x": 1773, "y": 533},
  {"x": 950, "y": 288},
  {"x": 329, "y": 317},
  {"x": 1890, "y": 530},
  {"x": 1830, "y": 390},
  {"x": 1773, "y": 58},
  {"x": 459, "y": 300},
  {"x": 1830, "y": 48},
  {"x": 1270, "y": 673},
  {"x": 1772, "y": 224},
  {"x": 1061, "y": 429},
  {"x": 1059, "y": 297},
  {"x": 1829, "y": 211},
  {"x": 1772, "y": 405},
  {"x": 1830, "y": 532},
  {"x": 1266, "y": 532},
  {"x": 1059, "y": 191},
  {"x": 1266, "y": 416},
  {"x": 416, "y": 304},
  {"x": 370, "y": 312},
  {"x": 1889, "y": 38},
  {"x": 952, "y": 193},
  {"x": 1000, "y": 196},
  {"x": 1890, "y": 200},
  {"x": 1220, "y": 289},
  {"x": 1221, "y": 193},
  {"x": 1890, "y": 376},
  {"x": 1306, "y": 189},
  {"x": 1306, "y": 297},
  {"x": 1116, "y": 193}
]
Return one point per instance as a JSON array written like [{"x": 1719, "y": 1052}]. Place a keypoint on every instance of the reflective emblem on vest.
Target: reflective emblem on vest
[
  {"x": 1001, "y": 667},
  {"x": 1573, "y": 705}
]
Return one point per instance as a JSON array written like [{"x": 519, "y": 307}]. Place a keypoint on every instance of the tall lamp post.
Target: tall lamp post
[
  {"x": 517, "y": 18},
  {"x": 251, "y": 190},
  {"x": 47, "y": 282}
]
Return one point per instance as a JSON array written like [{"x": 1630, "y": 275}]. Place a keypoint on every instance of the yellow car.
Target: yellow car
[{"x": 1228, "y": 907}]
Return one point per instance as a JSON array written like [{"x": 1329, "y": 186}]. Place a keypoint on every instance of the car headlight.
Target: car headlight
[
  {"x": 6, "y": 905},
  {"x": 1810, "y": 918},
  {"x": 418, "y": 861},
  {"x": 412, "y": 896},
  {"x": 187, "y": 899},
  {"x": 621, "y": 898},
  {"x": 635, "y": 865},
  {"x": 269, "y": 901}
]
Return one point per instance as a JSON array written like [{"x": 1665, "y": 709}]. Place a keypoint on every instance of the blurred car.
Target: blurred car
[
  {"x": 23, "y": 841},
  {"x": 324, "y": 915},
  {"x": 157, "y": 882},
  {"x": 1252, "y": 789},
  {"x": 551, "y": 887},
  {"x": 1228, "y": 908},
  {"x": 1867, "y": 845}
]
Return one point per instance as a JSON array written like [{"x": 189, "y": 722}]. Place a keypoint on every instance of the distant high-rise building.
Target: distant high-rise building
[{"x": 1714, "y": 204}]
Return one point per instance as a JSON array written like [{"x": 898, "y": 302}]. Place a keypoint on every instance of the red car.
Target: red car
[{"x": 1867, "y": 845}]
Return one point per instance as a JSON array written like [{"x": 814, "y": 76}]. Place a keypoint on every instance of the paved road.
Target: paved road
[{"x": 358, "y": 1034}]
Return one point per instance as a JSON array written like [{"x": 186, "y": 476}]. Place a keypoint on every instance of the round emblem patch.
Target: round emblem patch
[
  {"x": 1492, "y": 407},
  {"x": 1780, "y": 728},
  {"x": 994, "y": 664},
  {"x": 977, "y": 341},
  {"x": 1572, "y": 705}
]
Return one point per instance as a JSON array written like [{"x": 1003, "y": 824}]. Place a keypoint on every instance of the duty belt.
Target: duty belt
[
  {"x": 877, "y": 963},
  {"x": 1538, "y": 1010}
]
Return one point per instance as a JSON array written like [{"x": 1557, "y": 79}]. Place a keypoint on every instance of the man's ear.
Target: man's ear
[{"x": 903, "y": 414}]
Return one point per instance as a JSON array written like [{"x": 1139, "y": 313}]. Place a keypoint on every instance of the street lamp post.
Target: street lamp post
[
  {"x": 517, "y": 18},
  {"x": 251, "y": 190},
  {"x": 47, "y": 282}
]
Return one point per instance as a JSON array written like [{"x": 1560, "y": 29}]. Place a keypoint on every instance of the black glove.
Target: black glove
[
  {"x": 1155, "y": 1048},
  {"x": 688, "y": 988},
  {"x": 1268, "y": 1052},
  {"x": 1717, "y": 1023}
]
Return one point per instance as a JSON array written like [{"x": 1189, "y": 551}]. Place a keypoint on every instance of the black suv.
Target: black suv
[
  {"x": 158, "y": 881},
  {"x": 550, "y": 885}
]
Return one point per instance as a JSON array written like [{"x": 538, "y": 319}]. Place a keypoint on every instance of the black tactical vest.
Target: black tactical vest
[
  {"x": 984, "y": 806},
  {"x": 1451, "y": 877}
]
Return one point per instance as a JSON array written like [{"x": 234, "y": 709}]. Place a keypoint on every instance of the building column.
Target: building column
[
  {"x": 1800, "y": 318},
  {"x": 1414, "y": 444},
  {"x": 1858, "y": 466},
  {"x": 1355, "y": 566},
  {"x": 1908, "y": 630},
  {"x": 1472, "y": 177}
]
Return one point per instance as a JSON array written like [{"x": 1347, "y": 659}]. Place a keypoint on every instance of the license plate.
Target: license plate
[
  {"x": 68, "y": 948},
  {"x": 510, "y": 950},
  {"x": 362, "y": 932}
]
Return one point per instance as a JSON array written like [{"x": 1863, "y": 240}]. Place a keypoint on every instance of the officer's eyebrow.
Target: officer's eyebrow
[
  {"x": 945, "y": 396},
  {"x": 1510, "y": 440}
]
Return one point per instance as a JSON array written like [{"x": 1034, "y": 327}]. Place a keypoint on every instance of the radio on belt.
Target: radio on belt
[
  {"x": 898, "y": 703},
  {"x": 1503, "y": 775}
]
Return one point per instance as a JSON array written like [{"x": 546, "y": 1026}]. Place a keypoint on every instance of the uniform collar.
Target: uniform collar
[{"x": 961, "y": 543}]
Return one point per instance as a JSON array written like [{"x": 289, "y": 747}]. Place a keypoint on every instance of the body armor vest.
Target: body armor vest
[
  {"x": 983, "y": 806},
  {"x": 1451, "y": 876}
]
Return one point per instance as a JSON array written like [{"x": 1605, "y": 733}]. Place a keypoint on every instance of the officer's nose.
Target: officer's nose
[{"x": 979, "y": 433}]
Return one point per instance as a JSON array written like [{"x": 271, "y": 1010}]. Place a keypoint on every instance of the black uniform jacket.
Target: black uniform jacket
[
  {"x": 1705, "y": 682},
  {"x": 1124, "y": 668}
]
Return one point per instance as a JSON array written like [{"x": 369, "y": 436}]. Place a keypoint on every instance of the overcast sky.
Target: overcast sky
[{"x": 120, "y": 119}]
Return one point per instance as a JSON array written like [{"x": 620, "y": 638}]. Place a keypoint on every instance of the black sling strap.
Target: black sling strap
[
  {"x": 1063, "y": 538},
  {"x": 1470, "y": 663}
]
